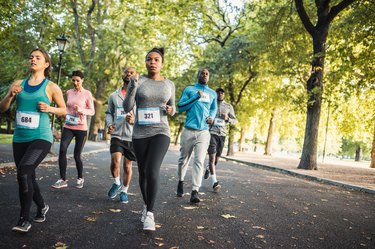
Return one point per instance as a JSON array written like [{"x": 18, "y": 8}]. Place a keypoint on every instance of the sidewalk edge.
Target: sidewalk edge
[{"x": 304, "y": 176}]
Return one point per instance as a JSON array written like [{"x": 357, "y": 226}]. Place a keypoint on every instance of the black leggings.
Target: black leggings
[
  {"x": 66, "y": 138},
  {"x": 150, "y": 153},
  {"x": 27, "y": 157}
]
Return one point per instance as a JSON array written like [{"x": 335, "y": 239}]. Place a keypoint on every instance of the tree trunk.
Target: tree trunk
[
  {"x": 241, "y": 140},
  {"x": 9, "y": 126},
  {"x": 372, "y": 165},
  {"x": 95, "y": 120},
  {"x": 180, "y": 127},
  {"x": 314, "y": 103},
  {"x": 271, "y": 127},
  {"x": 230, "y": 151},
  {"x": 358, "y": 153},
  {"x": 319, "y": 34}
]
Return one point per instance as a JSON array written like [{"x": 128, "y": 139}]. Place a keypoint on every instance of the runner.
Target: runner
[
  {"x": 155, "y": 99},
  {"x": 32, "y": 137},
  {"x": 120, "y": 126},
  {"x": 224, "y": 115},
  {"x": 199, "y": 102},
  {"x": 79, "y": 104}
]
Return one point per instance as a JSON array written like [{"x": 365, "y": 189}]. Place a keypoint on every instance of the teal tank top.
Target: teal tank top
[{"x": 31, "y": 124}]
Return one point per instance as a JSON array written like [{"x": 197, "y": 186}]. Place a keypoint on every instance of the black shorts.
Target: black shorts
[
  {"x": 216, "y": 145},
  {"x": 125, "y": 147}
]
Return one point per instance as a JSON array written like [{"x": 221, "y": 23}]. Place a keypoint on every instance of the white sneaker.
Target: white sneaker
[
  {"x": 80, "y": 182},
  {"x": 144, "y": 213},
  {"x": 149, "y": 224},
  {"x": 60, "y": 184}
]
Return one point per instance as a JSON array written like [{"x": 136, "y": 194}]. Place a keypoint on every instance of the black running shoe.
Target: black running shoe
[
  {"x": 23, "y": 226},
  {"x": 180, "y": 189},
  {"x": 41, "y": 214},
  {"x": 194, "y": 197},
  {"x": 206, "y": 173}
]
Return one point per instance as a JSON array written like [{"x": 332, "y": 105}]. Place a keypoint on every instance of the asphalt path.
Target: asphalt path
[{"x": 255, "y": 209}]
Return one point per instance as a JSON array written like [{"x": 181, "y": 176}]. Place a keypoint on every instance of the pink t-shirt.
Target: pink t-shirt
[{"x": 76, "y": 120}]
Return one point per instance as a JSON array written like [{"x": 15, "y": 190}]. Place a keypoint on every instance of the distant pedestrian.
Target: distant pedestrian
[
  {"x": 32, "y": 137},
  {"x": 154, "y": 96},
  {"x": 120, "y": 127},
  {"x": 225, "y": 114},
  {"x": 199, "y": 103},
  {"x": 80, "y": 104},
  {"x": 100, "y": 133}
]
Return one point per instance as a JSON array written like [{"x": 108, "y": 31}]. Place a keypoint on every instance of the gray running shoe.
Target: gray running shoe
[
  {"x": 80, "y": 182},
  {"x": 60, "y": 184},
  {"x": 149, "y": 223},
  {"x": 23, "y": 226},
  {"x": 41, "y": 214}
]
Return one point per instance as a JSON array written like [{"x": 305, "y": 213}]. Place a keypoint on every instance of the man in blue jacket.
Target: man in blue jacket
[{"x": 199, "y": 103}]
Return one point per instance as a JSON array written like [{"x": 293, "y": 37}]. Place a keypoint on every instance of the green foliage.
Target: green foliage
[
  {"x": 262, "y": 43},
  {"x": 349, "y": 147},
  {"x": 6, "y": 139}
]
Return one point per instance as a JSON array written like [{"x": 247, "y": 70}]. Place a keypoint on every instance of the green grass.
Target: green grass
[{"x": 6, "y": 138}]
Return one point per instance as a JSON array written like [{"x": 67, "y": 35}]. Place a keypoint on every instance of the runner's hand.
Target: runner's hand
[
  {"x": 134, "y": 79},
  {"x": 209, "y": 121},
  {"x": 43, "y": 107},
  {"x": 111, "y": 128},
  {"x": 14, "y": 90},
  {"x": 130, "y": 118},
  {"x": 225, "y": 116},
  {"x": 169, "y": 109},
  {"x": 78, "y": 109}
]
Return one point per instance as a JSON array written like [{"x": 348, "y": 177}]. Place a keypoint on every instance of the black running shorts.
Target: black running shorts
[
  {"x": 216, "y": 145},
  {"x": 125, "y": 147}
]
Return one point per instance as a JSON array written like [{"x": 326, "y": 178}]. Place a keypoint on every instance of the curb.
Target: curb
[
  {"x": 55, "y": 158},
  {"x": 308, "y": 177}
]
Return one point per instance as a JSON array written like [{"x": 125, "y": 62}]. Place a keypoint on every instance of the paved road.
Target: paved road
[{"x": 256, "y": 209}]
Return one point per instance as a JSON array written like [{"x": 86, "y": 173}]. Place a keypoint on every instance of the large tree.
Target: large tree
[
  {"x": 325, "y": 13},
  {"x": 220, "y": 27},
  {"x": 372, "y": 165}
]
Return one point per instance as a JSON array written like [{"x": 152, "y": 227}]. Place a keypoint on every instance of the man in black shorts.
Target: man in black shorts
[
  {"x": 225, "y": 114},
  {"x": 120, "y": 126}
]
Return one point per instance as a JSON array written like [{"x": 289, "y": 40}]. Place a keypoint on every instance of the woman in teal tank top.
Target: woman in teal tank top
[{"x": 32, "y": 137}]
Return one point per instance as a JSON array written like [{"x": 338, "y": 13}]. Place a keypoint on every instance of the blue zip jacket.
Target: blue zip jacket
[{"x": 197, "y": 108}]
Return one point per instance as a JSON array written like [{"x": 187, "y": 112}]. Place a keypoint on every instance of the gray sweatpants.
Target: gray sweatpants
[{"x": 198, "y": 141}]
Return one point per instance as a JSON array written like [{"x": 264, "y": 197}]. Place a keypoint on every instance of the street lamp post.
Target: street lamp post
[{"x": 61, "y": 44}]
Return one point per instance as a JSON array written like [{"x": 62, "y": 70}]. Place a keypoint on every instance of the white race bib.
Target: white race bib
[
  {"x": 71, "y": 119},
  {"x": 27, "y": 120},
  {"x": 205, "y": 98},
  {"x": 120, "y": 113},
  {"x": 149, "y": 115},
  {"x": 219, "y": 122}
]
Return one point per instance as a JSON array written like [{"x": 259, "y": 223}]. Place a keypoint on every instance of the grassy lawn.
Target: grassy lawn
[{"x": 6, "y": 138}]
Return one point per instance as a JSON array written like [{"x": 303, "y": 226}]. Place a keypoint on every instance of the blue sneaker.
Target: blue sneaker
[
  {"x": 124, "y": 197},
  {"x": 113, "y": 191}
]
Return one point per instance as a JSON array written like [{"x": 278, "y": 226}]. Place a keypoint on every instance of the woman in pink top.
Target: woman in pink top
[{"x": 79, "y": 104}]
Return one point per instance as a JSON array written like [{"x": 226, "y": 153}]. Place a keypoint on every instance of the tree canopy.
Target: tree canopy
[{"x": 263, "y": 53}]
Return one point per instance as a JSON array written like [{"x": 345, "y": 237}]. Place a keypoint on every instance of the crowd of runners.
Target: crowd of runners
[{"x": 137, "y": 121}]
